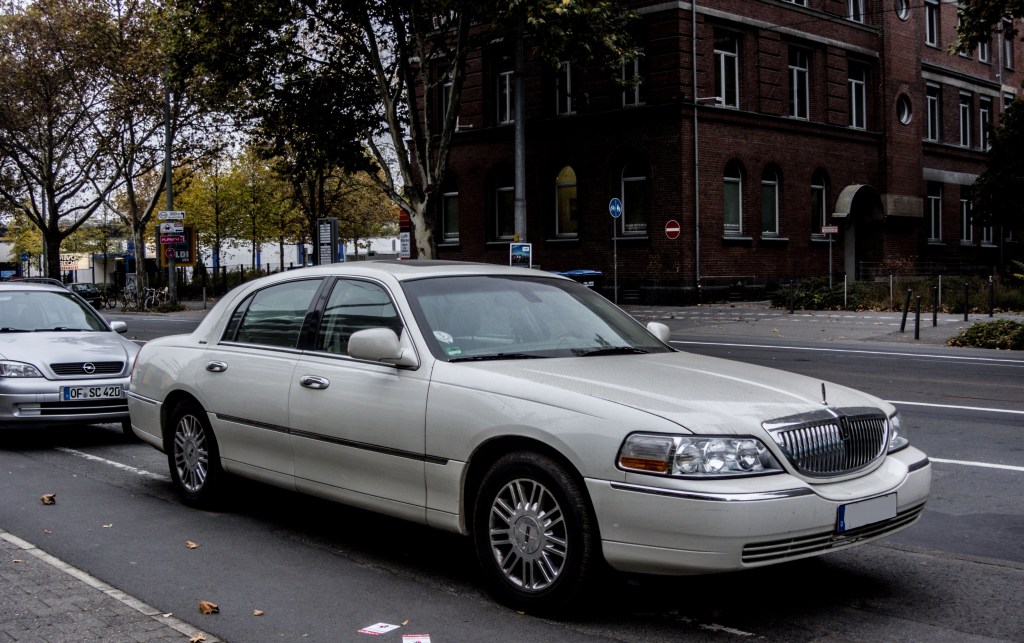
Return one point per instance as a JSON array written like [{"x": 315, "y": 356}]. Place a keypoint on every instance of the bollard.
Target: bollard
[
  {"x": 967, "y": 288},
  {"x": 935, "y": 306},
  {"x": 991, "y": 296},
  {"x": 792, "y": 297},
  {"x": 906, "y": 309},
  {"x": 917, "y": 318}
]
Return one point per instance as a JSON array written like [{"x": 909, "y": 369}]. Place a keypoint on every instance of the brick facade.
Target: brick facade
[{"x": 883, "y": 222}]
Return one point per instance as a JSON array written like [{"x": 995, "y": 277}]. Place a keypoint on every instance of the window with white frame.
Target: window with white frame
[
  {"x": 1007, "y": 45},
  {"x": 505, "y": 213},
  {"x": 733, "y": 199},
  {"x": 987, "y": 236},
  {"x": 565, "y": 96},
  {"x": 770, "y": 203},
  {"x": 727, "y": 79},
  {"x": 984, "y": 121},
  {"x": 450, "y": 217},
  {"x": 965, "y": 52},
  {"x": 857, "y": 83},
  {"x": 984, "y": 51},
  {"x": 802, "y": 3},
  {"x": 931, "y": 22},
  {"x": 506, "y": 97},
  {"x": 934, "y": 211},
  {"x": 565, "y": 200},
  {"x": 966, "y": 210},
  {"x": 966, "y": 100},
  {"x": 799, "y": 92},
  {"x": 934, "y": 113},
  {"x": 819, "y": 202},
  {"x": 855, "y": 10},
  {"x": 633, "y": 80},
  {"x": 634, "y": 199}
]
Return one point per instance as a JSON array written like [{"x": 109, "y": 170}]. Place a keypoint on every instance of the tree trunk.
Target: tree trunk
[{"x": 423, "y": 233}]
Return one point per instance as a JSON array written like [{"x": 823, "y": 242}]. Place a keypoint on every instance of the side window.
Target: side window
[
  {"x": 353, "y": 306},
  {"x": 273, "y": 316}
]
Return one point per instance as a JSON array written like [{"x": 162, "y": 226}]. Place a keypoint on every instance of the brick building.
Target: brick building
[{"x": 757, "y": 125}]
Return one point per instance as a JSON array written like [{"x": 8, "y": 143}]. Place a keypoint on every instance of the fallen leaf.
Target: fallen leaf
[
  {"x": 190, "y": 544},
  {"x": 405, "y": 622},
  {"x": 206, "y": 607},
  {"x": 167, "y": 615},
  {"x": 17, "y": 560},
  {"x": 49, "y": 499},
  {"x": 47, "y": 531},
  {"x": 108, "y": 526},
  {"x": 775, "y": 330},
  {"x": 258, "y": 612},
  {"x": 198, "y": 638}
]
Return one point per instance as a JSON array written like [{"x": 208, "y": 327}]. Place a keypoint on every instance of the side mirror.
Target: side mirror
[
  {"x": 119, "y": 327},
  {"x": 660, "y": 331},
  {"x": 380, "y": 345}
]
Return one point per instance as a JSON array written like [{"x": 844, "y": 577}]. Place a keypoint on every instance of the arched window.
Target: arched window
[
  {"x": 819, "y": 201},
  {"x": 565, "y": 203},
  {"x": 770, "y": 202},
  {"x": 733, "y": 199},
  {"x": 634, "y": 199}
]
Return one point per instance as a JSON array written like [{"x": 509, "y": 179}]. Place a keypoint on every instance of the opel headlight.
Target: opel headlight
[
  {"x": 18, "y": 369},
  {"x": 897, "y": 434},
  {"x": 690, "y": 455}
]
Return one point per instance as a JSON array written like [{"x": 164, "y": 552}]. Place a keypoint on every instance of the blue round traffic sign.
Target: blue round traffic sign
[{"x": 615, "y": 208}]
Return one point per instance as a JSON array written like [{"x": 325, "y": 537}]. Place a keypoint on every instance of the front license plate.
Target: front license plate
[
  {"x": 78, "y": 393},
  {"x": 866, "y": 512}
]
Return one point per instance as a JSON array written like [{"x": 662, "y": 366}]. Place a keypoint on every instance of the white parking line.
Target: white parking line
[
  {"x": 986, "y": 465},
  {"x": 959, "y": 408},
  {"x": 860, "y": 351},
  {"x": 116, "y": 465}
]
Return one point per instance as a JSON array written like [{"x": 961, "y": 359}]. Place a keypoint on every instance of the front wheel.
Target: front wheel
[
  {"x": 535, "y": 534},
  {"x": 193, "y": 456}
]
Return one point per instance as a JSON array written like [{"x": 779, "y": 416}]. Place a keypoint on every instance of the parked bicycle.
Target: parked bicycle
[
  {"x": 153, "y": 297},
  {"x": 129, "y": 298}
]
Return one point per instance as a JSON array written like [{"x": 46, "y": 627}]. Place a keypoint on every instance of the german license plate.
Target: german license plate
[
  {"x": 78, "y": 393},
  {"x": 866, "y": 512}
]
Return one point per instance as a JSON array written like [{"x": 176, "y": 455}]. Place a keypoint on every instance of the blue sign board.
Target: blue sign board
[
  {"x": 615, "y": 208},
  {"x": 24, "y": 256}
]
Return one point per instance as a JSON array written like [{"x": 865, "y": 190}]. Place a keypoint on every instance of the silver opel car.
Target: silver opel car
[
  {"x": 60, "y": 362},
  {"x": 528, "y": 412}
]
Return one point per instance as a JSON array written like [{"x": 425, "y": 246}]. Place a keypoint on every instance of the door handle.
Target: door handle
[
  {"x": 314, "y": 382},
  {"x": 216, "y": 367}
]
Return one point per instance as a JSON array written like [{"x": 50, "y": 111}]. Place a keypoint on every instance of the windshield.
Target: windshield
[
  {"x": 37, "y": 310},
  {"x": 498, "y": 317}
]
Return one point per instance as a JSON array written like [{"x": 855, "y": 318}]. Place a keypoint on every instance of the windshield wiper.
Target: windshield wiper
[
  {"x": 7, "y": 329},
  {"x": 496, "y": 356},
  {"x": 612, "y": 350},
  {"x": 62, "y": 329}
]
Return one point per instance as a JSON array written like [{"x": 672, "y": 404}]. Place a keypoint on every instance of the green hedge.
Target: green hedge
[{"x": 1001, "y": 334}]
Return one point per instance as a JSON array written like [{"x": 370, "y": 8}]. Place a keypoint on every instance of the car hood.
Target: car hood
[
  {"x": 57, "y": 347},
  {"x": 691, "y": 390}
]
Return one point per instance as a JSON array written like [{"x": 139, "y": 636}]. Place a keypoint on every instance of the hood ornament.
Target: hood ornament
[{"x": 824, "y": 398}]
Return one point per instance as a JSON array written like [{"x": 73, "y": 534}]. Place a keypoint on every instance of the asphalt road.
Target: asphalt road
[{"x": 320, "y": 572}]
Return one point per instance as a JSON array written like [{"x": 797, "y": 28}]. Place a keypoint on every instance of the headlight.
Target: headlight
[
  {"x": 897, "y": 434},
  {"x": 18, "y": 369},
  {"x": 679, "y": 455}
]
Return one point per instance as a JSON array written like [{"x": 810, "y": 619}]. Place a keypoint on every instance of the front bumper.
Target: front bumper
[
  {"x": 675, "y": 530},
  {"x": 37, "y": 401}
]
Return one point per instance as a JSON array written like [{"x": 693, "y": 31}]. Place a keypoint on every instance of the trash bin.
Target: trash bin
[{"x": 592, "y": 279}]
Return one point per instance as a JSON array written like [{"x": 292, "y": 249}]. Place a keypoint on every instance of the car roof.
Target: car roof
[
  {"x": 21, "y": 284},
  {"x": 406, "y": 270}
]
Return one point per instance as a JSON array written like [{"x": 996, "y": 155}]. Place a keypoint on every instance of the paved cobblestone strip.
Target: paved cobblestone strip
[{"x": 52, "y": 602}]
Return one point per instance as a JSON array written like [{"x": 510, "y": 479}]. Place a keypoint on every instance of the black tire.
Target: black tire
[
  {"x": 126, "y": 428},
  {"x": 193, "y": 456},
  {"x": 535, "y": 535}
]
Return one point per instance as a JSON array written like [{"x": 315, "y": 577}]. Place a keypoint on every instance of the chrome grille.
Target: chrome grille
[
  {"x": 78, "y": 368},
  {"x": 831, "y": 442}
]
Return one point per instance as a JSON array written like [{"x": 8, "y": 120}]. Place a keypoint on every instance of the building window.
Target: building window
[
  {"x": 450, "y": 217},
  {"x": 727, "y": 80},
  {"x": 904, "y": 110},
  {"x": 855, "y": 10},
  {"x": 819, "y": 202},
  {"x": 733, "y": 199},
  {"x": 983, "y": 51},
  {"x": 802, "y": 3},
  {"x": 799, "y": 99},
  {"x": 1007, "y": 44},
  {"x": 565, "y": 198},
  {"x": 934, "y": 211},
  {"x": 770, "y": 203},
  {"x": 902, "y": 9},
  {"x": 964, "y": 53},
  {"x": 633, "y": 79},
  {"x": 934, "y": 113},
  {"x": 987, "y": 236},
  {"x": 506, "y": 98},
  {"x": 984, "y": 121},
  {"x": 931, "y": 22},
  {"x": 965, "y": 118},
  {"x": 565, "y": 96},
  {"x": 966, "y": 207},
  {"x": 634, "y": 200},
  {"x": 857, "y": 83},
  {"x": 505, "y": 213}
]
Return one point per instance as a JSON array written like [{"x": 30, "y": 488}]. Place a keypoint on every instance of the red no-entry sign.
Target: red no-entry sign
[{"x": 672, "y": 229}]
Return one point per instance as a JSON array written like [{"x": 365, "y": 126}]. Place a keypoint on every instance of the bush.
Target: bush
[{"x": 1001, "y": 334}]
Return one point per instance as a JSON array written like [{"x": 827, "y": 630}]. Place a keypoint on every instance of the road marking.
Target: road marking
[
  {"x": 116, "y": 465},
  {"x": 987, "y": 465},
  {"x": 959, "y": 408},
  {"x": 1014, "y": 362}
]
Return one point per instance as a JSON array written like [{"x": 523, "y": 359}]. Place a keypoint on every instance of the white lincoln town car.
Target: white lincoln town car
[{"x": 528, "y": 412}]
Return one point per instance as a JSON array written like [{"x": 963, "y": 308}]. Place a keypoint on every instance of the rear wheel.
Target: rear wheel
[
  {"x": 193, "y": 456},
  {"x": 535, "y": 535}
]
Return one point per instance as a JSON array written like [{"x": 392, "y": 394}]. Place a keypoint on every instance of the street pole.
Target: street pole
[{"x": 172, "y": 273}]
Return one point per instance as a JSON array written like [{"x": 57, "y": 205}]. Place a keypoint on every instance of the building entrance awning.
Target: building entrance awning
[{"x": 859, "y": 199}]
